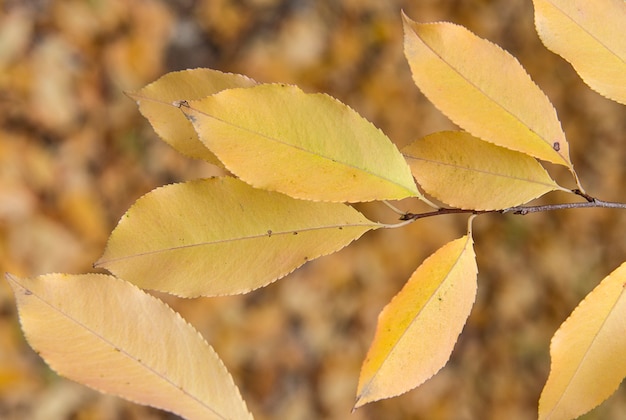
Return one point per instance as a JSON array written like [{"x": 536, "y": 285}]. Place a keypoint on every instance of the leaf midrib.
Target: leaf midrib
[
  {"x": 265, "y": 234},
  {"x": 330, "y": 159},
  {"x": 481, "y": 171}
]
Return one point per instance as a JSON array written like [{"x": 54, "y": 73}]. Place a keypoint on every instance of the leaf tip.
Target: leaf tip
[
  {"x": 131, "y": 94},
  {"x": 358, "y": 403},
  {"x": 17, "y": 284},
  {"x": 406, "y": 21},
  {"x": 11, "y": 279},
  {"x": 100, "y": 263}
]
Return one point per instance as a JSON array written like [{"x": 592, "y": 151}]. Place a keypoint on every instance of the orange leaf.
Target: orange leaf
[{"x": 417, "y": 330}]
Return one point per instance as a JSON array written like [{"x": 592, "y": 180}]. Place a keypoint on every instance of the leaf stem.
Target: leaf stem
[
  {"x": 523, "y": 210},
  {"x": 393, "y": 208},
  {"x": 580, "y": 187},
  {"x": 584, "y": 195}
]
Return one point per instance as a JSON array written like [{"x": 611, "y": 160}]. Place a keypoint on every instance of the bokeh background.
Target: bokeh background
[{"x": 75, "y": 153}]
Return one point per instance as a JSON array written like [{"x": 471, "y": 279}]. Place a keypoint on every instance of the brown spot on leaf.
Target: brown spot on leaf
[{"x": 178, "y": 104}]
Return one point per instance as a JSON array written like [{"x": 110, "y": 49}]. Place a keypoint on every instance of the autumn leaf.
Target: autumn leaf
[
  {"x": 156, "y": 103},
  {"x": 587, "y": 352},
  {"x": 221, "y": 236},
  {"x": 466, "y": 172},
  {"x": 417, "y": 330},
  {"x": 590, "y": 35},
  {"x": 103, "y": 332},
  {"x": 308, "y": 146},
  {"x": 484, "y": 90}
]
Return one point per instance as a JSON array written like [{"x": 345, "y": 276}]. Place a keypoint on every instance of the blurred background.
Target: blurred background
[{"x": 75, "y": 154}]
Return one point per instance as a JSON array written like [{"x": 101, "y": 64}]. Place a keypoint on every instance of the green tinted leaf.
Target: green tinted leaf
[{"x": 307, "y": 146}]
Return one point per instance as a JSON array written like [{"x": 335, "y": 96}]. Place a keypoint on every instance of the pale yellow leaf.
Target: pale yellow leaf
[
  {"x": 417, "y": 330},
  {"x": 466, "y": 172},
  {"x": 111, "y": 336},
  {"x": 307, "y": 146},
  {"x": 590, "y": 35},
  {"x": 587, "y": 352},
  {"x": 483, "y": 89},
  {"x": 156, "y": 103},
  {"x": 221, "y": 236}
]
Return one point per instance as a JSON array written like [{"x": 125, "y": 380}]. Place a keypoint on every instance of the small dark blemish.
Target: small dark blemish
[
  {"x": 27, "y": 292},
  {"x": 269, "y": 233},
  {"x": 340, "y": 227},
  {"x": 295, "y": 233},
  {"x": 556, "y": 146},
  {"x": 178, "y": 104}
]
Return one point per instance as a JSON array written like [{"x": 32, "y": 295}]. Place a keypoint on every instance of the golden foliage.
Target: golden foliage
[{"x": 75, "y": 153}]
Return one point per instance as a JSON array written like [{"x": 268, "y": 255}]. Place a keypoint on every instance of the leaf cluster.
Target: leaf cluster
[{"x": 298, "y": 160}]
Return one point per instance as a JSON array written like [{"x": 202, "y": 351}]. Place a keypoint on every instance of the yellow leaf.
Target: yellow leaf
[
  {"x": 483, "y": 89},
  {"x": 590, "y": 35},
  {"x": 587, "y": 352},
  {"x": 155, "y": 102},
  {"x": 466, "y": 172},
  {"x": 221, "y": 236},
  {"x": 307, "y": 146},
  {"x": 107, "y": 334},
  {"x": 417, "y": 330}
]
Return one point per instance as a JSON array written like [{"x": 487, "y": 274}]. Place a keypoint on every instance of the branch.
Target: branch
[{"x": 522, "y": 210}]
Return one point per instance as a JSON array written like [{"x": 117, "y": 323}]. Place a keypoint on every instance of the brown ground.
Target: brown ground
[{"x": 75, "y": 153}]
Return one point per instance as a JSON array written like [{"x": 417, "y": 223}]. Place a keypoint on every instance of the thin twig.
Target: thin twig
[
  {"x": 584, "y": 195},
  {"x": 522, "y": 210}
]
